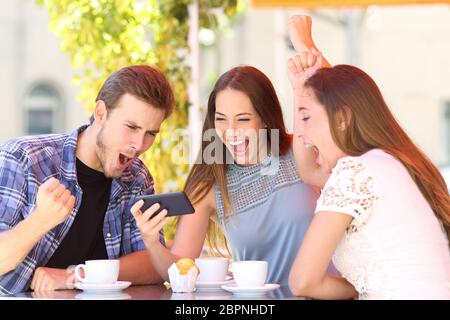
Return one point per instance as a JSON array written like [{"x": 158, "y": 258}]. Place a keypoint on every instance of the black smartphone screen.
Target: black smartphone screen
[{"x": 176, "y": 203}]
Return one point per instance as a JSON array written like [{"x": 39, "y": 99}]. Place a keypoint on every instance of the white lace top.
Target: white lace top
[{"x": 395, "y": 247}]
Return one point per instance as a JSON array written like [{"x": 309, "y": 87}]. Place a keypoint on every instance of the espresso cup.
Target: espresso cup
[
  {"x": 98, "y": 271},
  {"x": 250, "y": 273},
  {"x": 212, "y": 269}
]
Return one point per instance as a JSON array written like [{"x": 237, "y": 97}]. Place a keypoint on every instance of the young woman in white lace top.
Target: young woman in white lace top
[{"x": 384, "y": 213}]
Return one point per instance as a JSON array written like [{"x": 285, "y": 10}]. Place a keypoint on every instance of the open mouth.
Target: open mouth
[
  {"x": 124, "y": 160},
  {"x": 318, "y": 160},
  {"x": 238, "y": 147}
]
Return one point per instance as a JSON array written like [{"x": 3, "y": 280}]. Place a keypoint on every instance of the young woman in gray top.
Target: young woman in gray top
[{"x": 256, "y": 200}]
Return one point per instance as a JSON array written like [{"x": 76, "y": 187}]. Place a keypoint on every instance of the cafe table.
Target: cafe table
[{"x": 151, "y": 292}]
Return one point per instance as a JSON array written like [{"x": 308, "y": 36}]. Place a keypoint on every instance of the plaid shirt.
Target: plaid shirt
[{"x": 27, "y": 162}]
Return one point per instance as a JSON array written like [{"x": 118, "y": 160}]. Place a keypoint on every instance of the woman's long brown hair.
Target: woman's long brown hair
[
  {"x": 370, "y": 125},
  {"x": 202, "y": 177}
]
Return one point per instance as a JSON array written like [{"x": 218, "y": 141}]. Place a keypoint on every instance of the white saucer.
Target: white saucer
[
  {"x": 115, "y": 295},
  {"x": 102, "y": 288},
  {"x": 212, "y": 285},
  {"x": 251, "y": 291}
]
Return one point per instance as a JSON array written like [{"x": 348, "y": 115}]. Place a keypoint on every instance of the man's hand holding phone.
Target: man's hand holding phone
[
  {"x": 149, "y": 228},
  {"x": 157, "y": 208}
]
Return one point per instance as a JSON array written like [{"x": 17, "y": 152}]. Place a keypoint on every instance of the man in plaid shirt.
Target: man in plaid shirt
[{"x": 66, "y": 198}]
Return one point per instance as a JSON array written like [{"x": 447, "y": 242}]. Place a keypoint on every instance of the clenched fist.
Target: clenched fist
[
  {"x": 54, "y": 202},
  {"x": 303, "y": 66}
]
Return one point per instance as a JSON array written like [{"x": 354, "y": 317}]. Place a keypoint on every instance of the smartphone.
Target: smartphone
[{"x": 176, "y": 203}]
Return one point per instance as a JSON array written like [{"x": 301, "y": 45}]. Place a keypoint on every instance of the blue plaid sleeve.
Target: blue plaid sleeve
[
  {"x": 13, "y": 204},
  {"x": 12, "y": 190}
]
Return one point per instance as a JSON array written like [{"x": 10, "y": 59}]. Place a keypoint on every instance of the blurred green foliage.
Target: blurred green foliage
[{"x": 102, "y": 36}]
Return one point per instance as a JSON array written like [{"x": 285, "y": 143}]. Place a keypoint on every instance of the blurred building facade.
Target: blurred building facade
[
  {"x": 406, "y": 50},
  {"x": 35, "y": 79}
]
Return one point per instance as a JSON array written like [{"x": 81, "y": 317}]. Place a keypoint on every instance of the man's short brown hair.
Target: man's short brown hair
[{"x": 144, "y": 82}]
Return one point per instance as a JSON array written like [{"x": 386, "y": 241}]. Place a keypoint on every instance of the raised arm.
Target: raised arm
[
  {"x": 300, "y": 67},
  {"x": 299, "y": 27}
]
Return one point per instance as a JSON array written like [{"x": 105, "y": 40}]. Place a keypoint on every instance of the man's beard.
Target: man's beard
[{"x": 101, "y": 153}]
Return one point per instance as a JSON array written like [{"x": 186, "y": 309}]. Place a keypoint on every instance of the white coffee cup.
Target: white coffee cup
[
  {"x": 250, "y": 273},
  {"x": 212, "y": 269},
  {"x": 98, "y": 271}
]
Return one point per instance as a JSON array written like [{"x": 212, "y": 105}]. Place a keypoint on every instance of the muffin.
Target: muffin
[
  {"x": 183, "y": 275},
  {"x": 186, "y": 264}
]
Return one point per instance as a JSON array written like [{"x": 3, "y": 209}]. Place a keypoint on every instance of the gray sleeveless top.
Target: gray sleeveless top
[{"x": 272, "y": 209}]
